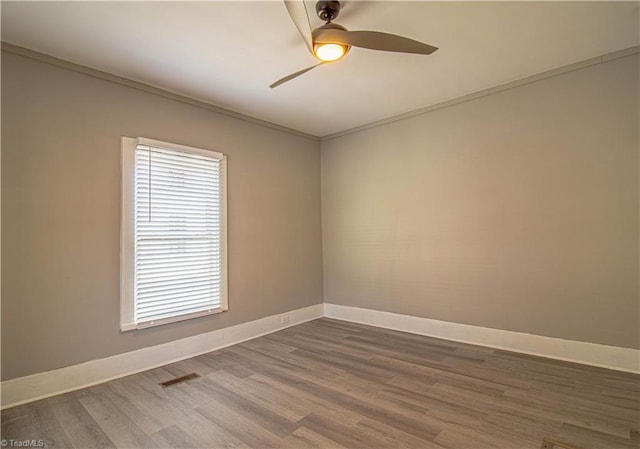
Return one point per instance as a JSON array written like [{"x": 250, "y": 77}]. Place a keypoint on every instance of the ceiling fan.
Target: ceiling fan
[{"x": 331, "y": 41}]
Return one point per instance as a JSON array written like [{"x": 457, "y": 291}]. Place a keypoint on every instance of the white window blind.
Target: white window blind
[{"x": 177, "y": 238}]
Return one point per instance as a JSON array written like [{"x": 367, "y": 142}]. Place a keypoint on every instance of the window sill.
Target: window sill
[{"x": 125, "y": 327}]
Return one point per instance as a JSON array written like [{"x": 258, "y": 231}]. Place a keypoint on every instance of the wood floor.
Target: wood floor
[{"x": 332, "y": 384}]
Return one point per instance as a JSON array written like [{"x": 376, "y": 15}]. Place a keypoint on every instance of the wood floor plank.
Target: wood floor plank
[
  {"x": 462, "y": 439},
  {"x": 80, "y": 427},
  {"x": 389, "y": 436},
  {"x": 266, "y": 418},
  {"x": 304, "y": 438},
  {"x": 173, "y": 437},
  {"x": 342, "y": 434},
  {"x": 259, "y": 393},
  {"x": 36, "y": 421},
  {"x": 206, "y": 432},
  {"x": 318, "y": 404},
  {"x": 588, "y": 438},
  {"x": 335, "y": 384},
  {"x": 116, "y": 425},
  {"x": 241, "y": 427},
  {"x": 138, "y": 407}
]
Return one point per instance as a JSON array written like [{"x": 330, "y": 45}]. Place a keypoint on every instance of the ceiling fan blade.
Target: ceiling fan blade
[
  {"x": 294, "y": 75},
  {"x": 300, "y": 17},
  {"x": 373, "y": 40}
]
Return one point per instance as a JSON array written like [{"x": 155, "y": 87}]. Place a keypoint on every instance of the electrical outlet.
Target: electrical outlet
[{"x": 285, "y": 319}]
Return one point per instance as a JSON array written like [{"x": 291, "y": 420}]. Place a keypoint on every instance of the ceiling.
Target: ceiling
[{"x": 227, "y": 53}]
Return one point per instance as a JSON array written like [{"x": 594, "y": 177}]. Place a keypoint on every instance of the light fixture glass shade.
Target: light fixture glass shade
[{"x": 330, "y": 52}]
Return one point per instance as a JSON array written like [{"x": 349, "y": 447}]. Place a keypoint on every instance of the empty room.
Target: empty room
[{"x": 320, "y": 224}]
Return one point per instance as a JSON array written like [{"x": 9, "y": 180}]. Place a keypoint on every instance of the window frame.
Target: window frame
[{"x": 127, "y": 232}]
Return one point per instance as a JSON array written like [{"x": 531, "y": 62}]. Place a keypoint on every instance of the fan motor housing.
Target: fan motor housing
[{"x": 328, "y": 10}]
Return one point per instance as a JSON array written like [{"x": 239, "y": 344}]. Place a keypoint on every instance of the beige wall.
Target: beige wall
[
  {"x": 516, "y": 211},
  {"x": 60, "y": 214}
]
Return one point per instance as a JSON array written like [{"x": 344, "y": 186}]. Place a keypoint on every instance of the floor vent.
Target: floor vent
[
  {"x": 548, "y": 443},
  {"x": 178, "y": 380}
]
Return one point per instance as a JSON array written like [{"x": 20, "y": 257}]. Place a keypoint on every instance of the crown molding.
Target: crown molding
[
  {"x": 490, "y": 91},
  {"x": 41, "y": 57},
  {"x": 25, "y": 52}
]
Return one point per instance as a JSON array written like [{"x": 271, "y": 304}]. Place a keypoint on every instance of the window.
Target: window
[{"x": 173, "y": 233}]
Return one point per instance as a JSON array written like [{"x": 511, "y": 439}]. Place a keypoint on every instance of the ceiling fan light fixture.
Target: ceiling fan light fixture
[
  {"x": 331, "y": 41},
  {"x": 330, "y": 52}
]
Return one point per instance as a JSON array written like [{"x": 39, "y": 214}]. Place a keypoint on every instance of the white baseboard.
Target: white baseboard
[
  {"x": 612, "y": 357},
  {"x": 42, "y": 385}
]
